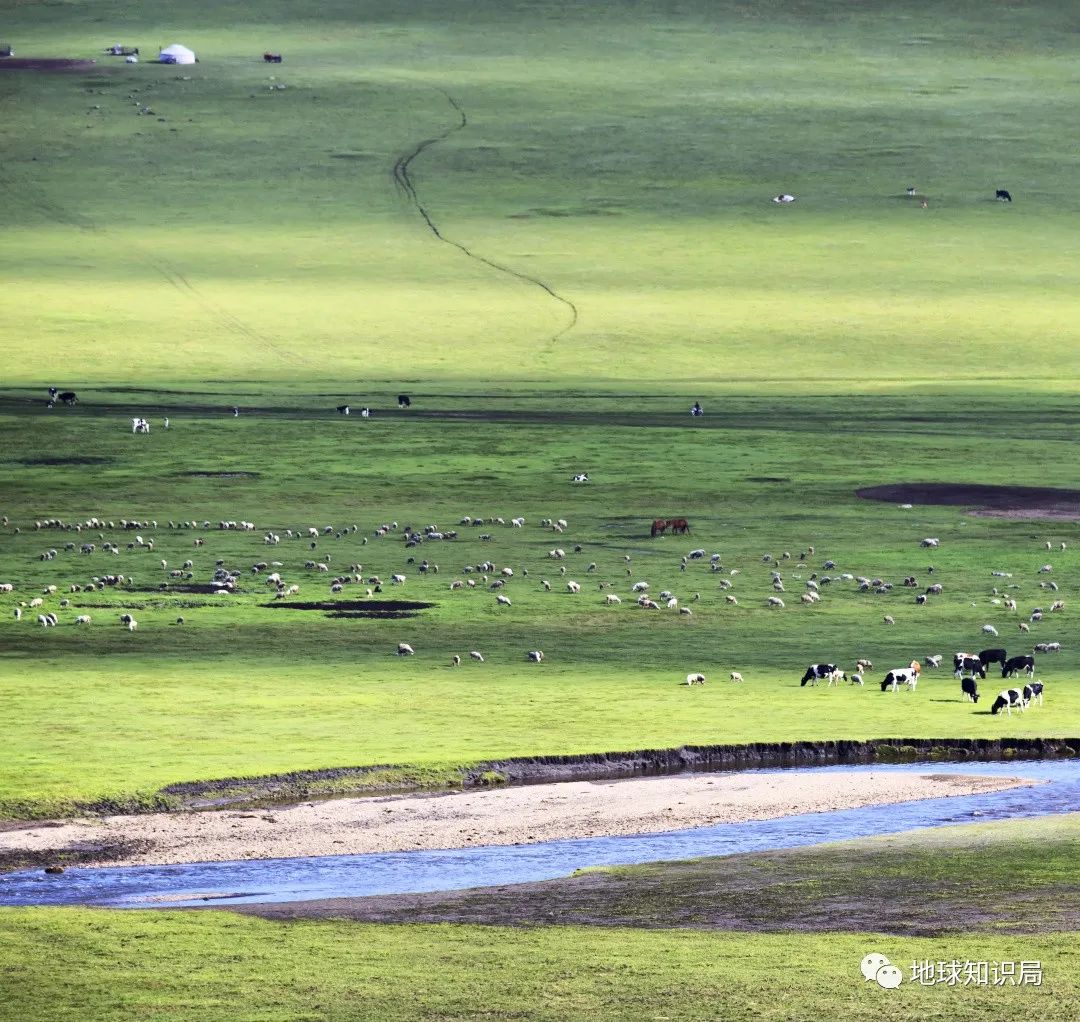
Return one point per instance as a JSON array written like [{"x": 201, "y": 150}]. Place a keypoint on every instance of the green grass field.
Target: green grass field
[{"x": 180, "y": 240}]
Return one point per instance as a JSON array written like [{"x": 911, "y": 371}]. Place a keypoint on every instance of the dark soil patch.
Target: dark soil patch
[
  {"x": 767, "y": 479},
  {"x": 85, "y": 460},
  {"x": 47, "y": 65},
  {"x": 378, "y": 609},
  {"x": 1000, "y": 498}
]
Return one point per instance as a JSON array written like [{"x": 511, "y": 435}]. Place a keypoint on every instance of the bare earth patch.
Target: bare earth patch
[
  {"x": 46, "y": 65},
  {"x": 984, "y": 500}
]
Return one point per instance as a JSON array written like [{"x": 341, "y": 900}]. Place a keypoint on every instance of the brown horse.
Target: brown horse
[
  {"x": 658, "y": 527},
  {"x": 678, "y": 525}
]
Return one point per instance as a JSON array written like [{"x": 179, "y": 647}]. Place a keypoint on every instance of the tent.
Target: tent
[{"x": 176, "y": 54}]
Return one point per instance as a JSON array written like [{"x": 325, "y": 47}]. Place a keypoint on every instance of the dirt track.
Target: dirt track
[{"x": 47, "y": 65}]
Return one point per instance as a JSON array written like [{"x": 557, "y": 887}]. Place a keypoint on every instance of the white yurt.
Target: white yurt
[{"x": 176, "y": 54}]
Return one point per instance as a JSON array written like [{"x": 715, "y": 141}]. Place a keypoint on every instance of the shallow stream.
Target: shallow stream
[{"x": 339, "y": 876}]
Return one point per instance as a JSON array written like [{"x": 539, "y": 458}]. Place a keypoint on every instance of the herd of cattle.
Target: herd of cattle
[{"x": 967, "y": 668}]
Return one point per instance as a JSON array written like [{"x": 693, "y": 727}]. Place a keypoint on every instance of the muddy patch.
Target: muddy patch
[
  {"x": 378, "y": 609},
  {"x": 46, "y": 65},
  {"x": 53, "y": 462},
  {"x": 985, "y": 500}
]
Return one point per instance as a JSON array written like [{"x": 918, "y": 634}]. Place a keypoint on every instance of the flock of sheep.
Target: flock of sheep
[{"x": 783, "y": 571}]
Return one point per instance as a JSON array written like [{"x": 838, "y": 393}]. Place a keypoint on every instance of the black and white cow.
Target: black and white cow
[
  {"x": 816, "y": 672},
  {"x": 68, "y": 397},
  {"x": 343, "y": 409},
  {"x": 970, "y": 688},
  {"x": 900, "y": 676},
  {"x": 1018, "y": 663},
  {"x": 1002, "y": 195},
  {"x": 1033, "y": 692},
  {"x": 403, "y": 401},
  {"x": 967, "y": 663},
  {"x": 993, "y": 656},
  {"x": 1007, "y": 700}
]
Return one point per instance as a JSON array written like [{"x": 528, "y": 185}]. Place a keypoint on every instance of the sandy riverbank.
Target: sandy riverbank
[{"x": 505, "y": 816}]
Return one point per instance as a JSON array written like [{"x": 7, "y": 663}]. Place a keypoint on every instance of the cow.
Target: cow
[
  {"x": 272, "y": 58},
  {"x": 403, "y": 401},
  {"x": 900, "y": 676},
  {"x": 581, "y": 477},
  {"x": 1033, "y": 692},
  {"x": 1002, "y": 195},
  {"x": 696, "y": 409},
  {"x": 68, "y": 397},
  {"x": 815, "y": 673},
  {"x": 1007, "y": 700},
  {"x": 993, "y": 656},
  {"x": 1018, "y": 663},
  {"x": 343, "y": 409},
  {"x": 969, "y": 663},
  {"x": 970, "y": 688}
]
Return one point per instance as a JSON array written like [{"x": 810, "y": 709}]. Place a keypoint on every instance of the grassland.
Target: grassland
[
  {"x": 622, "y": 154},
  {"x": 245, "y": 687},
  {"x": 178, "y": 241},
  {"x": 119, "y": 965}
]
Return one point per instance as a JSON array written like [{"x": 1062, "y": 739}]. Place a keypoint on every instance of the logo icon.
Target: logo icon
[{"x": 877, "y": 967}]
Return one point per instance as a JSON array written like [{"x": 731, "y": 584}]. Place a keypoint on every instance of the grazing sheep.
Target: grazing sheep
[
  {"x": 933, "y": 661},
  {"x": 775, "y": 601},
  {"x": 536, "y": 655},
  {"x": 686, "y": 611},
  {"x": 736, "y": 676},
  {"x": 856, "y": 679},
  {"x": 504, "y": 600},
  {"x": 83, "y": 619},
  {"x": 930, "y": 542},
  {"x": 989, "y": 629},
  {"x": 573, "y": 587},
  {"x": 862, "y": 664},
  {"x": 889, "y": 620},
  {"x": 1025, "y": 627},
  {"x": 132, "y": 625},
  {"x": 731, "y": 599},
  {"x": 673, "y": 604},
  {"x": 455, "y": 661},
  {"x": 612, "y": 598},
  {"x": 404, "y": 649},
  {"x": 476, "y": 655},
  {"x": 695, "y": 679}
]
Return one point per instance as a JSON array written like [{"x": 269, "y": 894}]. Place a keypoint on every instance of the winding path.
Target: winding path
[{"x": 404, "y": 183}]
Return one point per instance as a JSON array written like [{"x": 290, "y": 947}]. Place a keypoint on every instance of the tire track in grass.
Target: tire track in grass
[{"x": 404, "y": 184}]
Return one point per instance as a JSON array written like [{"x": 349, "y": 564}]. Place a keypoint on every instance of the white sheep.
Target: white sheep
[
  {"x": 695, "y": 679},
  {"x": 673, "y": 604},
  {"x": 477, "y": 655},
  {"x": 573, "y": 587},
  {"x": 989, "y": 629},
  {"x": 132, "y": 625},
  {"x": 731, "y": 599},
  {"x": 404, "y": 649},
  {"x": 775, "y": 601},
  {"x": 736, "y": 676},
  {"x": 930, "y": 542},
  {"x": 933, "y": 661},
  {"x": 1025, "y": 627},
  {"x": 504, "y": 600},
  {"x": 888, "y": 619},
  {"x": 83, "y": 619},
  {"x": 612, "y": 598}
]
